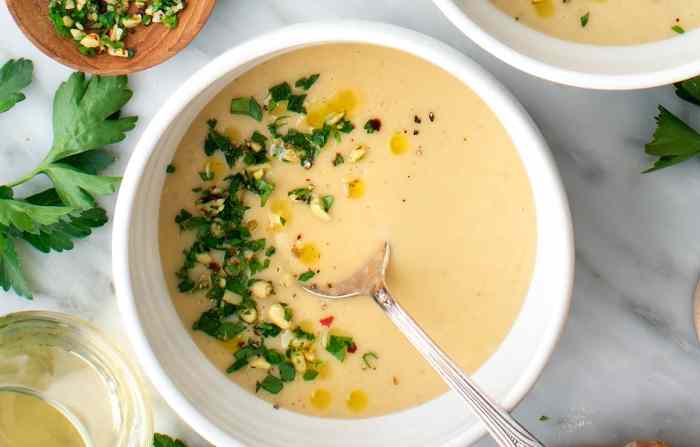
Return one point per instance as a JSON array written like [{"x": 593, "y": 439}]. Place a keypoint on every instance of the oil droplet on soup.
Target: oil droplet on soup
[
  {"x": 321, "y": 399},
  {"x": 345, "y": 101},
  {"x": 355, "y": 188},
  {"x": 307, "y": 253},
  {"x": 544, "y": 8},
  {"x": 399, "y": 143},
  {"x": 231, "y": 345},
  {"x": 357, "y": 401},
  {"x": 232, "y": 133},
  {"x": 215, "y": 167},
  {"x": 281, "y": 209},
  {"x": 325, "y": 371}
]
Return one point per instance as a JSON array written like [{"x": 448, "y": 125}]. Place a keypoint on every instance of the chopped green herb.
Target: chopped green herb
[
  {"x": 273, "y": 357},
  {"x": 247, "y": 106},
  {"x": 160, "y": 440},
  {"x": 170, "y": 169},
  {"x": 338, "y": 346},
  {"x": 271, "y": 384},
  {"x": 327, "y": 202},
  {"x": 295, "y": 103},
  {"x": 270, "y": 251},
  {"x": 678, "y": 29},
  {"x": 584, "y": 19},
  {"x": 287, "y": 371},
  {"x": 268, "y": 329},
  {"x": 373, "y": 125},
  {"x": 310, "y": 375},
  {"x": 303, "y": 335},
  {"x": 306, "y": 83},
  {"x": 338, "y": 160},
  {"x": 544, "y": 418},
  {"x": 280, "y": 92},
  {"x": 306, "y": 276},
  {"x": 369, "y": 359},
  {"x": 304, "y": 194}
]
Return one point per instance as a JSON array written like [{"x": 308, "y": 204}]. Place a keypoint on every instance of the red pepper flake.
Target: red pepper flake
[
  {"x": 214, "y": 267},
  {"x": 352, "y": 348},
  {"x": 327, "y": 321}
]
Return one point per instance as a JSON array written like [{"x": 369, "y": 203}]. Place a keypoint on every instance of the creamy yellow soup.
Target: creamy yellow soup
[
  {"x": 606, "y": 22},
  {"x": 427, "y": 167}
]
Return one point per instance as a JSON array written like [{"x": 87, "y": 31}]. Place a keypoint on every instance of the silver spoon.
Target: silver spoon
[{"x": 370, "y": 280}]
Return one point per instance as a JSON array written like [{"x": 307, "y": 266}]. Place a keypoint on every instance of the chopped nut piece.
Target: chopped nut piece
[
  {"x": 317, "y": 209},
  {"x": 357, "y": 154},
  {"x": 260, "y": 363},
  {"x": 261, "y": 289},
  {"x": 249, "y": 315},
  {"x": 276, "y": 315}
]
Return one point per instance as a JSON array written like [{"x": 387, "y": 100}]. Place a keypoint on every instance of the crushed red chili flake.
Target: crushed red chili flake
[
  {"x": 352, "y": 348},
  {"x": 327, "y": 321},
  {"x": 215, "y": 267}
]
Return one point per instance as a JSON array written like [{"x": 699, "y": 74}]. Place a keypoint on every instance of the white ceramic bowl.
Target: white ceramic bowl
[
  {"x": 227, "y": 415},
  {"x": 588, "y": 66}
]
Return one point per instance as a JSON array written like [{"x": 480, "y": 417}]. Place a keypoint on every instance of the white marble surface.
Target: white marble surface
[{"x": 628, "y": 363}]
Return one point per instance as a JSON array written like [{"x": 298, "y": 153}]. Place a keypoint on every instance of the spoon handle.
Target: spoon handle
[{"x": 504, "y": 429}]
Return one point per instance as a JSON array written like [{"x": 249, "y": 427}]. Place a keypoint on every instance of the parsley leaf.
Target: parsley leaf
[
  {"x": 160, "y": 440},
  {"x": 271, "y": 384},
  {"x": 306, "y": 275},
  {"x": 11, "y": 275},
  {"x": 338, "y": 346},
  {"x": 83, "y": 115},
  {"x": 584, "y": 19},
  {"x": 673, "y": 141},
  {"x": 306, "y": 83},
  {"x": 14, "y": 76},
  {"x": 248, "y": 107},
  {"x": 689, "y": 90},
  {"x": 287, "y": 371}
]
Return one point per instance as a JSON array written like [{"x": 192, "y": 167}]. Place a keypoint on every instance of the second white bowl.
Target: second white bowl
[{"x": 588, "y": 66}]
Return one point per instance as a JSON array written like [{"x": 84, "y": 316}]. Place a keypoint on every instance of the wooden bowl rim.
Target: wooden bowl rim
[{"x": 38, "y": 43}]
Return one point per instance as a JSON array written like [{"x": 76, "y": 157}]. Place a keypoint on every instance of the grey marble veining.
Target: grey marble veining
[{"x": 628, "y": 365}]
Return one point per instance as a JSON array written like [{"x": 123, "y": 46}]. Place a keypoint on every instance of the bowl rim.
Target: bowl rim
[
  {"x": 561, "y": 75},
  {"x": 295, "y": 36}
]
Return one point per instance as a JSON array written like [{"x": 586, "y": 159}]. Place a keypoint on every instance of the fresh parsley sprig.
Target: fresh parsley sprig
[
  {"x": 86, "y": 117},
  {"x": 160, "y": 440},
  {"x": 674, "y": 141}
]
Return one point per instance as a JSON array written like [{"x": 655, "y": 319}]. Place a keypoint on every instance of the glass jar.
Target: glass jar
[{"x": 70, "y": 365}]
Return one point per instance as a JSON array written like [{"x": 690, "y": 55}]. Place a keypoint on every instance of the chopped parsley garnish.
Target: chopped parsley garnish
[
  {"x": 584, "y": 19},
  {"x": 160, "y": 440},
  {"x": 338, "y": 159},
  {"x": 303, "y": 194},
  {"x": 247, "y": 106},
  {"x": 310, "y": 375},
  {"x": 678, "y": 29},
  {"x": 224, "y": 260},
  {"x": 271, "y": 384},
  {"x": 373, "y": 125},
  {"x": 544, "y": 418},
  {"x": 338, "y": 346},
  {"x": 287, "y": 372},
  {"x": 327, "y": 202},
  {"x": 98, "y": 26},
  {"x": 268, "y": 329},
  {"x": 15, "y": 76},
  {"x": 306, "y": 276},
  {"x": 303, "y": 335},
  {"x": 306, "y": 83},
  {"x": 170, "y": 169}
]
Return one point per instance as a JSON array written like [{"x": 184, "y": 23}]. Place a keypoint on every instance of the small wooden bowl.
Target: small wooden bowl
[{"x": 153, "y": 44}]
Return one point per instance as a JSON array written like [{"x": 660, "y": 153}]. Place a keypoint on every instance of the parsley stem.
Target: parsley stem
[{"x": 23, "y": 179}]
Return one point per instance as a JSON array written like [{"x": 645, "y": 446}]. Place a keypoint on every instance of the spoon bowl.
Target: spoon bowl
[{"x": 153, "y": 44}]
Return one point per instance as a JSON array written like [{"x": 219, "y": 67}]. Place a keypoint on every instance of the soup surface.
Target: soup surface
[
  {"x": 384, "y": 147},
  {"x": 606, "y": 22}
]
